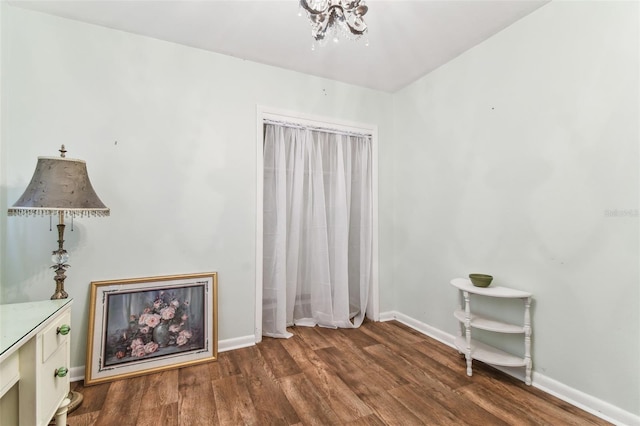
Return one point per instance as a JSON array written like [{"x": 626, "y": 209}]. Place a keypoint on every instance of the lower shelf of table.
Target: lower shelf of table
[{"x": 489, "y": 354}]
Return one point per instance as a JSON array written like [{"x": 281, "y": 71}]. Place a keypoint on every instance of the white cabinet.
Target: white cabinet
[
  {"x": 474, "y": 349},
  {"x": 34, "y": 353}
]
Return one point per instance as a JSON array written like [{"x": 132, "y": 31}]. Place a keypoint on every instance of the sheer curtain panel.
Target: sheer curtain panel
[{"x": 317, "y": 228}]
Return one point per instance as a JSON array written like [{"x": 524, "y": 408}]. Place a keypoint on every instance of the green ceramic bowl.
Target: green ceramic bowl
[{"x": 480, "y": 280}]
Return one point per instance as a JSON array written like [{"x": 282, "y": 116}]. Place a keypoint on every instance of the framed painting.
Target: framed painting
[{"x": 146, "y": 325}]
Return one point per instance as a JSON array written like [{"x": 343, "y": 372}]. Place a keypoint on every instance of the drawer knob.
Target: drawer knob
[
  {"x": 64, "y": 329},
  {"x": 61, "y": 372}
]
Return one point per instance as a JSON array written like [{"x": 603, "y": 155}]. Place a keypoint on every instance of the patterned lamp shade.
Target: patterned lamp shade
[{"x": 59, "y": 185}]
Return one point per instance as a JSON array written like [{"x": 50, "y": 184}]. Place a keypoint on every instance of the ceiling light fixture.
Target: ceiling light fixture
[{"x": 342, "y": 17}]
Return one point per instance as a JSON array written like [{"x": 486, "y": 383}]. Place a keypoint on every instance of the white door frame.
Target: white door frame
[{"x": 263, "y": 112}]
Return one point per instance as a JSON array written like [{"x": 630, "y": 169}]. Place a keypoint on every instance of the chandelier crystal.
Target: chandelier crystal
[{"x": 339, "y": 16}]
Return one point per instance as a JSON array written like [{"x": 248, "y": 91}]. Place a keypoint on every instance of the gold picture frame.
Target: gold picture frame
[{"x": 146, "y": 325}]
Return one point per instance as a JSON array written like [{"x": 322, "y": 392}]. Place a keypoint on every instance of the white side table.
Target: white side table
[
  {"x": 34, "y": 352},
  {"x": 474, "y": 349}
]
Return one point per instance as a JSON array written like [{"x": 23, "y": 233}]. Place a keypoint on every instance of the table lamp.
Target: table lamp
[{"x": 59, "y": 186}]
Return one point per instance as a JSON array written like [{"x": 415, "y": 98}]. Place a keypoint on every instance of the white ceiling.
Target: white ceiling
[{"x": 407, "y": 39}]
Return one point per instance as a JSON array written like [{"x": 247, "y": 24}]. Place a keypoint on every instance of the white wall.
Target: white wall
[
  {"x": 521, "y": 148},
  {"x": 512, "y": 153},
  {"x": 168, "y": 133}
]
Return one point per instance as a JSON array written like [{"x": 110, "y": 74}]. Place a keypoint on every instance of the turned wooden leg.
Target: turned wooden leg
[
  {"x": 467, "y": 326},
  {"x": 61, "y": 414}
]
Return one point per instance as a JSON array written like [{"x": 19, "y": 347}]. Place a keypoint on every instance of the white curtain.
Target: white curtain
[{"x": 317, "y": 228}]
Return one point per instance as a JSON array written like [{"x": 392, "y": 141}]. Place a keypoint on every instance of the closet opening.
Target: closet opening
[{"x": 316, "y": 257}]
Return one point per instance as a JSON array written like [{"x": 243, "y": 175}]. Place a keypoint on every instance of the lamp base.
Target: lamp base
[
  {"x": 76, "y": 399},
  {"x": 60, "y": 295}
]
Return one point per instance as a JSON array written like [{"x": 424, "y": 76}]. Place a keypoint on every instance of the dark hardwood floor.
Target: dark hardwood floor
[{"x": 379, "y": 374}]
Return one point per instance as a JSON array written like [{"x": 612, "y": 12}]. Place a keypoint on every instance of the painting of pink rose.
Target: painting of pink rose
[
  {"x": 150, "y": 347},
  {"x": 168, "y": 313},
  {"x": 153, "y": 320},
  {"x": 183, "y": 337},
  {"x": 156, "y": 323},
  {"x": 147, "y": 325}
]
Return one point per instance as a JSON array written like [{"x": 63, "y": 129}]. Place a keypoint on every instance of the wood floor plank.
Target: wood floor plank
[
  {"x": 406, "y": 328},
  {"x": 379, "y": 374},
  {"x": 218, "y": 369},
  {"x": 303, "y": 395},
  {"x": 506, "y": 410},
  {"x": 445, "y": 355},
  {"x": 225, "y": 366},
  {"x": 268, "y": 399},
  {"x": 406, "y": 350},
  {"x": 351, "y": 374},
  {"x": 353, "y": 356},
  {"x": 161, "y": 390},
  {"x": 349, "y": 347},
  {"x": 277, "y": 358},
  {"x": 394, "y": 331},
  {"x": 451, "y": 359},
  {"x": 390, "y": 410},
  {"x": 123, "y": 401},
  {"x": 501, "y": 393},
  {"x": 365, "y": 378},
  {"x": 370, "y": 420},
  {"x": 488, "y": 379},
  {"x": 312, "y": 337},
  {"x": 463, "y": 408},
  {"x": 83, "y": 419},
  {"x": 167, "y": 415},
  {"x": 196, "y": 403},
  {"x": 428, "y": 410},
  {"x": 233, "y": 402},
  {"x": 93, "y": 397},
  {"x": 357, "y": 337},
  {"x": 354, "y": 339},
  {"x": 402, "y": 367},
  {"x": 342, "y": 400}
]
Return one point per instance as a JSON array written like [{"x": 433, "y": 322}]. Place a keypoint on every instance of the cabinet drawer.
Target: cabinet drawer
[
  {"x": 51, "y": 339},
  {"x": 9, "y": 373},
  {"x": 53, "y": 389}
]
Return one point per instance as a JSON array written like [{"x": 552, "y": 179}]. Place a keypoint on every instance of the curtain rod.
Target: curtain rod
[{"x": 316, "y": 128}]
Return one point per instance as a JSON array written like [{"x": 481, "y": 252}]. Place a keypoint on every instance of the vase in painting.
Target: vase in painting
[{"x": 161, "y": 334}]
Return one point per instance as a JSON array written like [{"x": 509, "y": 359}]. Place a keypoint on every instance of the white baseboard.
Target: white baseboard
[
  {"x": 77, "y": 373},
  {"x": 588, "y": 403},
  {"x": 387, "y": 316},
  {"x": 423, "y": 328},
  {"x": 236, "y": 343}
]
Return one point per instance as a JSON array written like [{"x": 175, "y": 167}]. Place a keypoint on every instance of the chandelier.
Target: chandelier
[{"x": 341, "y": 16}]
